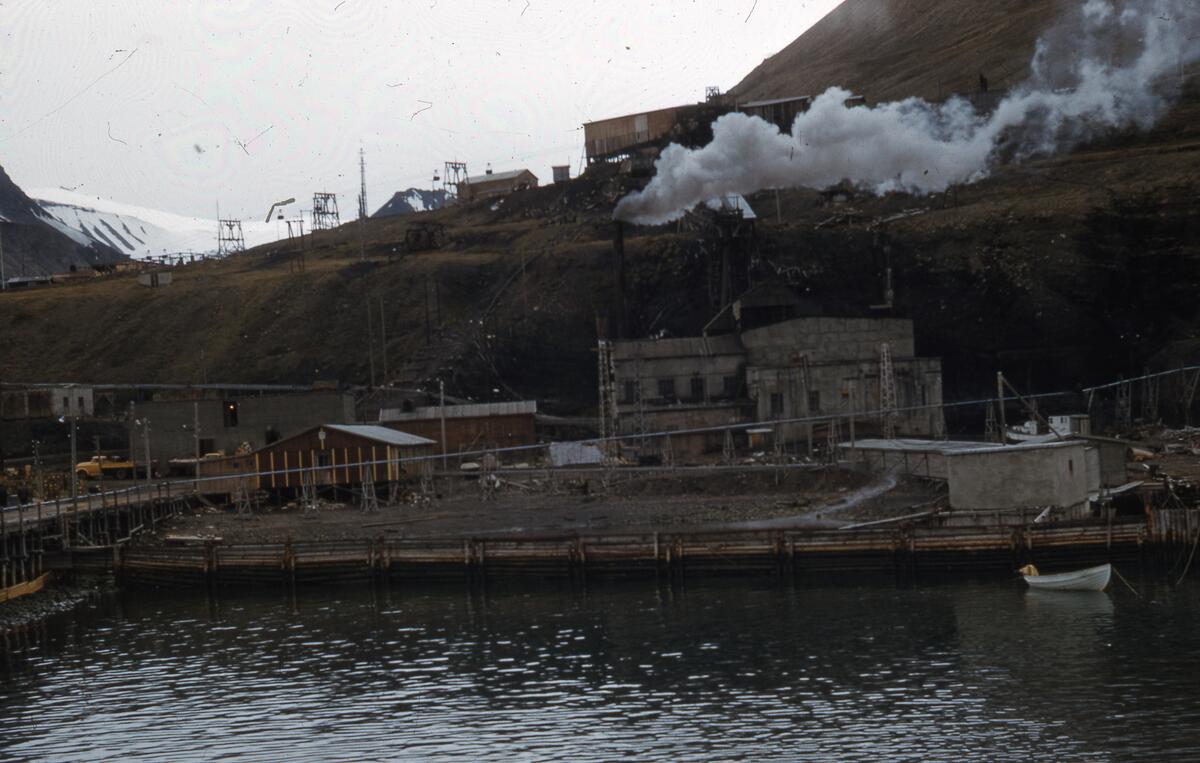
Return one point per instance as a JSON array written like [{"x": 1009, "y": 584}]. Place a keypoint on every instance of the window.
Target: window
[
  {"x": 697, "y": 388},
  {"x": 323, "y": 459},
  {"x": 776, "y": 404},
  {"x": 229, "y": 410},
  {"x": 80, "y": 409},
  {"x": 631, "y": 392},
  {"x": 729, "y": 386},
  {"x": 66, "y": 404},
  {"x": 207, "y": 445},
  {"x": 814, "y": 401},
  {"x": 666, "y": 389}
]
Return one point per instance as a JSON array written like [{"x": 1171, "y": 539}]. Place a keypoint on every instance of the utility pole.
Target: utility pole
[
  {"x": 442, "y": 413},
  {"x": 146, "y": 444},
  {"x": 74, "y": 459},
  {"x": 131, "y": 417},
  {"x": 370, "y": 343},
  {"x": 196, "y": 442},
  {"x": 3, "y": 280},
  {"x": 362, "y": 179},
  {"x": 383, "y": 347},
  {"x": 1000, "y": 395},
  {"x": 99, "y": 464}
]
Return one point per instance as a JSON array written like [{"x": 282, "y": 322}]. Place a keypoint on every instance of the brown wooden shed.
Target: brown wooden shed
[{"x": 331, "y": 454}]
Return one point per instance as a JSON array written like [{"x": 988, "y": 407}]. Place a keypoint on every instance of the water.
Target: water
[{"x": 716, "y": 671}]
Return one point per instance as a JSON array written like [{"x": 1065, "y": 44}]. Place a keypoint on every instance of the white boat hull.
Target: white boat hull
[{"x": 1091, "y": 579}]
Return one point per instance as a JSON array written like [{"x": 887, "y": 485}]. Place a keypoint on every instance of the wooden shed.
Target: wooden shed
[
  {"x": 494, "y": 184},
  {"x": 330, "y": 454}
]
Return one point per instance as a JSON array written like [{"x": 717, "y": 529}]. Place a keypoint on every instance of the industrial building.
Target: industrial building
[
  {"x": 232, "y": 423},
  {"x": 620, "y": 137},
  {"x": 782, "y": 112},
  {"x": 481, "y": 426},
  {"x": 1065, "y": 475},
  {"x": 324, "y": 455},
  {"x": 494, "y": 184},
  {"x": 68, "y": 400},
  {"x": 794, "y": 369}
]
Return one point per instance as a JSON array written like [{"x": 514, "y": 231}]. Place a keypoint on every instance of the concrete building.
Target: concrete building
[
  {"x": 483, "y": 426},
  {"x": 1061, "y": 475},
  {"x": 1066, "y": 475},
  {"x": 228, "y": 423},
  {"x": 324, "y": 455},
  {"x": 48, "y": 402},
  {"x": 494, "y": 184},
  {"x": 800, "y": 368}
]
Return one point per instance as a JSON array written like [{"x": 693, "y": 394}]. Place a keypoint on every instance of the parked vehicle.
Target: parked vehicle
[{"x": 113, "y": 468}]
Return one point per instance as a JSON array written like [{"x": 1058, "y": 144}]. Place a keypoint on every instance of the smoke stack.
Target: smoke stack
[
  {"x": 618, "y": 267},
  {"x": 1105, "y": 66}
]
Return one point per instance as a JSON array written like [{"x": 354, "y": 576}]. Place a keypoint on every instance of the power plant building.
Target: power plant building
[{"x": 794, "y": 369}]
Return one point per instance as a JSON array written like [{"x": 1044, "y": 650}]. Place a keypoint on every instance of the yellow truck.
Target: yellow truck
[{"x": 114, "y": 468}]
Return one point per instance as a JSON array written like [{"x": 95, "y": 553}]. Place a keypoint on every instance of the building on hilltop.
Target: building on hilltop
[{"x": 493, "y": 184}]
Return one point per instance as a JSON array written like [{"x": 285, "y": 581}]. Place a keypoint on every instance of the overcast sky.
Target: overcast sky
[{"x": 180, "y": 105}]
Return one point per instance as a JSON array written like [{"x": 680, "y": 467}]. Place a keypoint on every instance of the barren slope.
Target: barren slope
[{"x": 892, "y": 49}]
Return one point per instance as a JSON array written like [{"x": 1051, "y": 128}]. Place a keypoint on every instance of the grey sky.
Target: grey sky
[{"x": 146, "y": 102}]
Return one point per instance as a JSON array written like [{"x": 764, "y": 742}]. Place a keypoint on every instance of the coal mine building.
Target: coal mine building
[
  {"x": 496, "y": 184},
  {"x": 328, "y": 455}
]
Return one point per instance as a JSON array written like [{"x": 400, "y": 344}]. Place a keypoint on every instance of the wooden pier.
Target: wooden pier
[
  {"x": 905, "y": 553},
  {"x": 82, "y": 532}
]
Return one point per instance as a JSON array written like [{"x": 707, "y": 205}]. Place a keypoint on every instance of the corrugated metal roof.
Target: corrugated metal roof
[
  {"x": 951, "y": 447},
  {"x": 380, "y": 434},
  {"x": 474, "y": 410},
  {"x": 773, "y": 101},
  {"x": 510, "y": 175}
]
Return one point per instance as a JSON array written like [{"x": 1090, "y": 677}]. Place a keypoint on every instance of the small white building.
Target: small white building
[
  {"x": 1064, "y": 475},
  {"x": 72, "y": 401}
]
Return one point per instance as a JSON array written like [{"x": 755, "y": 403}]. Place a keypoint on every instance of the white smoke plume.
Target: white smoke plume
[{"x": 1108, "y": 64}]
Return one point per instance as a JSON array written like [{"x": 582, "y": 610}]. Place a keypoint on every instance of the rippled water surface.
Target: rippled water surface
[{"x": 739, "y": 671}]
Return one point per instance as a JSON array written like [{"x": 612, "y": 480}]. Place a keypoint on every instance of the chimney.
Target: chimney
[{"x": 489, "y": 170}]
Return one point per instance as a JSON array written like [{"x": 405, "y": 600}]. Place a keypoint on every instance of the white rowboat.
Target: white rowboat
[{"x": 1091, "y": 579}]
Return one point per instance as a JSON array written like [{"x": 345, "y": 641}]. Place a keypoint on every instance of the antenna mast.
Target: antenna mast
[{"x": 362, "y": 179}]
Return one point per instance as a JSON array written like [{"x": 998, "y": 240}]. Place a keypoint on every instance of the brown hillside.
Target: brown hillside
[{"x": 891, "y": 49}]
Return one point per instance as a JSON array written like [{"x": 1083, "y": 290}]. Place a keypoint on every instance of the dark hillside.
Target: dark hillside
[{"x": 892, "y": 49}]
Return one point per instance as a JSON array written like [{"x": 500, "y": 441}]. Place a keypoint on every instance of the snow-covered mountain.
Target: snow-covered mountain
[
  {"x": 138, "y": 231},
  {"x": 412, "y": 200},
  {"x": 32, "y": 246}
]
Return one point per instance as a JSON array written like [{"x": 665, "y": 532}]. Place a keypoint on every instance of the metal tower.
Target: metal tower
[
  {"x": 1124, "y": 406},
  {"x": 362, "y": 180},
  {"x": 229, "y": 237},
  {"x": 888, "y": 404},
  {"x": 453, "y": 179},
  {"x": 370, "y": 501},
  {"x": 608, "y": 394},
  {"x": 325, "y": 211}
]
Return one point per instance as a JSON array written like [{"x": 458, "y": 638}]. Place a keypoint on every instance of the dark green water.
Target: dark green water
[{"x": 721, "y": 671}]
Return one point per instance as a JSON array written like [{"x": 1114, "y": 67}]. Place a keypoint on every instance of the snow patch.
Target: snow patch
[{"x": 89, "y": 219}]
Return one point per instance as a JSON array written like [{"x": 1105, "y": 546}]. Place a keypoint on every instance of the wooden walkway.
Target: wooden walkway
[
  {"x": 902, "y": 552},
  {"x": 23, "y": 518}
]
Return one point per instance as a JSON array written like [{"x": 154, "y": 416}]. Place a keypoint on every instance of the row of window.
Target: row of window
[
  {"x": 814, "y": 403},
  {"x": 697, "y": 389}
]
